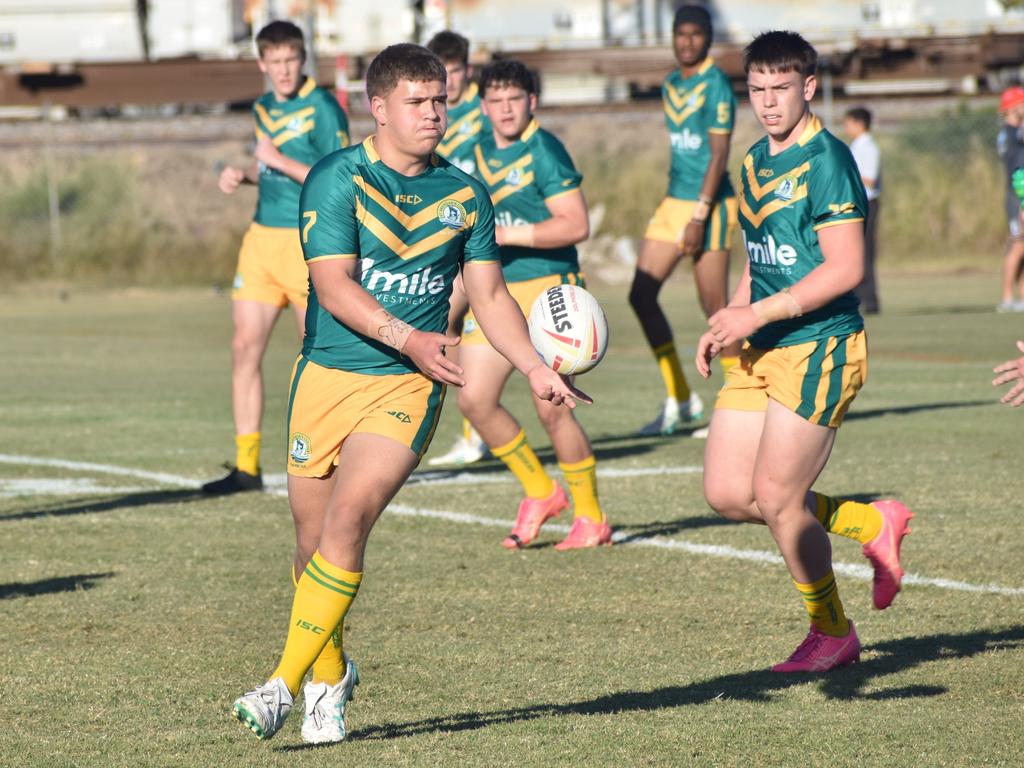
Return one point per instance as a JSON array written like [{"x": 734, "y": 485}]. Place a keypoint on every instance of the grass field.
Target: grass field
[{"x": 133, "y": 611}]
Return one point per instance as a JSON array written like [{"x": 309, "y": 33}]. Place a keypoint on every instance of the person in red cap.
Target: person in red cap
[{"x": 1010, "y": 147}]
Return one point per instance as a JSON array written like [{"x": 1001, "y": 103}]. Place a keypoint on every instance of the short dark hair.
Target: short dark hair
[
  {"x": 278, "y": 33},
  {"x": 780, "y": 51},
  {"x": 507, "y": 72},
  {"x": 862, "y": 115},
  {"x": 402, "y": 61},
  {"x": 450, "y": 46}
]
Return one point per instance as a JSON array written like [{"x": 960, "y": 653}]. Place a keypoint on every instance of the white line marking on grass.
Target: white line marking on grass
[
  {"x": 61, "y": 486},
  {"x": 107, "y": 469},
  {"x": 855, "y": 571}
]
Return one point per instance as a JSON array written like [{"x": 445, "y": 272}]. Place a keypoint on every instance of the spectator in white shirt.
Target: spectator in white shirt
[{"x": 857, "y": 125}]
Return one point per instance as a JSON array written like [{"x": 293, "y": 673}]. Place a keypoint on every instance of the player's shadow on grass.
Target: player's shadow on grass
[
  {"x": 128, "y": 501},
  {"x": 639, "y": 531},
  {"x": 881, "y": 660},
  {"x": 52, "y": 586},
  {"x": 904, "y": 410}
]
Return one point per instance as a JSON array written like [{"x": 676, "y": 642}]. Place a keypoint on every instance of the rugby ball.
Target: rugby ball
[{"x": 568, "y": 329}]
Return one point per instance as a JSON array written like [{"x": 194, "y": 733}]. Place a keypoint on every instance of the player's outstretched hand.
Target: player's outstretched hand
[
  {"x": 555, "y": 388},
  {"x": 426, "y": 350},
  {"x": 229, "y": 179},
  {"x": 733, "y": 324},
  {"x": 707, "y": 350},
  {"x": 1012, "y": 370}
]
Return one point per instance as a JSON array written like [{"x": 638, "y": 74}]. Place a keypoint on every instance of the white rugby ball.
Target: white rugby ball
[{"x": 568, "y": 329}]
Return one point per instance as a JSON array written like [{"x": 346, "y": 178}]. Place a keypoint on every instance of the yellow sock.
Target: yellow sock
[
  {"x": 322, "y": 598},
  {"x": 329, "y": 666},
  {"x": 520, "y": 458},
  {"x": 248, "y": 456},
  {"x": 821, "y": 599},
  {"x": 860, "y": 522},
  {"x": 728, "y": 362},
  {"x": 581, "y": 478},
  {"x": 672, "y": 372},
  {"x": 467, "y": 430}
]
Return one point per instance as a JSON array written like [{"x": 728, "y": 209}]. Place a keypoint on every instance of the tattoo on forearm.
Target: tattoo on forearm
[{"x": 388, "y": 329}]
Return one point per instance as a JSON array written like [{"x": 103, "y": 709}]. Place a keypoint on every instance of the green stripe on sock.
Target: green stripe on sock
[
  {"x": 328, "y": 585},
  {"x": 328, "y": 576}
]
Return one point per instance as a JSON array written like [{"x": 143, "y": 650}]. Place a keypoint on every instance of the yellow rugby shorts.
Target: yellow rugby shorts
[
  {"x": 271, "y": 269},
  {"x": 669, "y": 221},
  {"x": 326, "y": 405},
  {"x": 817, "y": 380},
  {"x": 525, "y": 293}
]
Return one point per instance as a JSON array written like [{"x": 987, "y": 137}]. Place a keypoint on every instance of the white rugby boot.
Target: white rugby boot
[
  {"x": 263, "y": 711},
  {"x": 324, "y": 722},
  {"x": 466, "y": 450},
  {"x": 673, "y": 414}
]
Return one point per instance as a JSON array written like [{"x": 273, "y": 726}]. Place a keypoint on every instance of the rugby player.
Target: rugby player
[
  {"x": 697, "y": 217},
  {"x": 802, "y": 209},
  {"x": 466, "y": 123},
  {"x": 1010, "y": 148},
  {"x": 386, "y": 227},
  {"x": 297, "y": 123},
  {"x": 540, "y": 215}
]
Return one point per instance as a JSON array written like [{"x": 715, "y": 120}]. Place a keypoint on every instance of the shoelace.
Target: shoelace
[{"x": 804, "y": 649}]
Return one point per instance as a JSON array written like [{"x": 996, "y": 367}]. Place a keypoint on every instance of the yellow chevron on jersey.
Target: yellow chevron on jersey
[{"x": 682, "y": 103}]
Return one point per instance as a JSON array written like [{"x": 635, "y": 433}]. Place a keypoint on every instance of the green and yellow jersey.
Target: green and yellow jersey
[
  {"x": 785, "y": 200},
  {"x": 521, "y": 179},
  {"x": 411, "y": 235},
  {"x": 466, "y": 124},
  {"x": 695, "y": 107},
  {"x": 306, "y": 127}
]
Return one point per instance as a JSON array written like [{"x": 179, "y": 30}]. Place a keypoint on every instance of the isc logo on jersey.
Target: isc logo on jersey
[
  {"x": 770, "y": 253},
  {"x": 399, "y": 287},
  {"x": 686, "y": 141}
]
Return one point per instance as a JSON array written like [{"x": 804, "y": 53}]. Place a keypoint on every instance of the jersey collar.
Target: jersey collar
[
  {"x": 812, "y": 129},
  {"x": 370, "y": 150},
  {"x": 307, "y": 88},
  {"x": 704, "y": 67},
  {"x": 373, "y": 157},
  {"x": 531, "y": 129}
]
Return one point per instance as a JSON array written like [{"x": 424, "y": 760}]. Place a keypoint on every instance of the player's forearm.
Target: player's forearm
[
  {"x": 826, "y": 283},
  {"x": 292, "y": 168},
  {"x": 252, "y": 174},
  {"x": 350, "y": 304},
  {"x": 556, "y": 232},
  {"x": 505, "y": 328},
  {"x": 715, "y": 172}
]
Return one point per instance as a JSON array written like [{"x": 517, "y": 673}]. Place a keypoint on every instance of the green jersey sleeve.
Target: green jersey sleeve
[
  {"x": 720, "y": 106},
  {"x": 835, "y": 191},
  {"x": 328, "y": 225},
  {"x": 481, "y": 246},
  {"x": 331, "y": 131},
  {"x": 554, "y": 171}
]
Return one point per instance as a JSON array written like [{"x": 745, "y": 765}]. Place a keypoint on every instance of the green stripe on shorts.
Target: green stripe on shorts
[
  {"x": 299, "y": 368},
  {"x": 809, "y": 388},
  {"x": 835, "y": 382},
  {"x": 426, "y": 431}
]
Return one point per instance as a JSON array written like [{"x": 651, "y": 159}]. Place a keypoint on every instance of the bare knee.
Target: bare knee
[
  {"x": 246, "y": 349},
  {"x": 472, "y": 405},
  {"x": 728, "y": 500}
]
